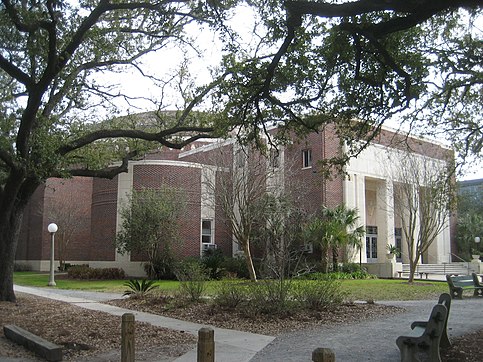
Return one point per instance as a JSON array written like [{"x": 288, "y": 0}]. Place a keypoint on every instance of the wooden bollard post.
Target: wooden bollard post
[
  {"x": 323, "y": 355},
  {"x": 206, "y": 345},
  {"x": 127, "y": 338}
]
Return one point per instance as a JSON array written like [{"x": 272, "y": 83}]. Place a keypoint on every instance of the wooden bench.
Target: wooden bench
[
  {"x": 426, "y": 343},
  {"x": 444, "y": 299},
  {"x": 457, "y": 284},
  {"x": 45, "y": 349}
]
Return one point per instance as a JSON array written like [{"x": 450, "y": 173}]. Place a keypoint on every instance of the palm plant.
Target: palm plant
[
  {"x": 139, "y": 288},
  {"x": 334, "y": 229}
]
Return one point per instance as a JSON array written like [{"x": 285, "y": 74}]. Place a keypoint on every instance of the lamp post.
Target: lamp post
[
  {"x": 477, "y": 241},
  {"x": 52, "y": 228}
]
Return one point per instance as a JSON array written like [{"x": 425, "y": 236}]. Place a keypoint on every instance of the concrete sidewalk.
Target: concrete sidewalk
[
  {"x": 230, "y": 345},
  {"x": 370, "y": 340}
]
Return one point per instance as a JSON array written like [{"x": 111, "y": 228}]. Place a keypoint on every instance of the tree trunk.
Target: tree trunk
[
  {"x": 335, "y": 259},
  {"x": 249, "y": 261},
  {"x": 9, "y": 233},
  {"x": 15, "y": 194}
]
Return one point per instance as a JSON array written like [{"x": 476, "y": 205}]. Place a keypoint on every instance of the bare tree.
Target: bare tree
[
  {"x": 423, "y": 199},
  {"x": 246, "y": 177},
  {"x": 71, "y": 216}
]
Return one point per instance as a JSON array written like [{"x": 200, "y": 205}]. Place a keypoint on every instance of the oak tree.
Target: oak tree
[{"x": 56, "y": 114}]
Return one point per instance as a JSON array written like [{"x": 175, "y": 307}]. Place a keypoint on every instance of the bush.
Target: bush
[
  {"x": 162, "y": 267},
  {"x": 317, "y": 295},
  {"x": 236, "y": 266},
  {"x": 213, "y": 262},
  {"x": 20, "y": 267},
  {"x": 230, "y": 295},
  {"x": 139, "y": 288},
  {"x": 85, "y": 272},
  {"x": 338, "y": 276},
  {"x": 351, "y": 268},
  {"x": 272, "y": 297},
  {"x": 192, "y": 276}
]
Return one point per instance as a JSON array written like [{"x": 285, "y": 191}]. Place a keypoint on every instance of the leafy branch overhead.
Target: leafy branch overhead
[{"x": 337, "y": 61}]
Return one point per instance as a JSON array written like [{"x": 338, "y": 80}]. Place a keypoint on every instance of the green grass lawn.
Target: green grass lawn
[
  {"x": 393, "y": 289},
  {"x": 370, "y": 289}
]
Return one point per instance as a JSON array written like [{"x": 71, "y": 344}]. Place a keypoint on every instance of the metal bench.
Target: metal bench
[
  {"x": 444, "y": 299},
  {"x": 457, "y": 284},
  {"x": 425, "y": 340}
]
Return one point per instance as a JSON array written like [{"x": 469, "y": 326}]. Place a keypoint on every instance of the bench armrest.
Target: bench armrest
[{"x": 418, "y": 324}]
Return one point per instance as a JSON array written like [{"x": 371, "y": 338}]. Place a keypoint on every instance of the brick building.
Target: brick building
[{"x": 367, "y": 186}]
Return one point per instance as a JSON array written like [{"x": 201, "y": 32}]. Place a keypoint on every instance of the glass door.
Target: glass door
[{"x": 371, "y": 244}]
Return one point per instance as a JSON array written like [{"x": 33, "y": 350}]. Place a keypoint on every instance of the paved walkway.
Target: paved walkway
[
  {"x": 230, "y": 345},
  {"x": 366, "y": 341}
]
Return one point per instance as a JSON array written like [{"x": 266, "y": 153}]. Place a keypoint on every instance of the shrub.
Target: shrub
[
  {"x": 139, "y": 288},
  {"x": 338, "y": 276},
  {"x": 192, "y": 276},
  {"x": 85, "y": 272},
  {"x": 213, "y": 262},
  {"x": 271, "y": 297},
  {"x": 230, "y": 295},
  {"x": 317, "y": 295},
  {"x": 162, "y": 267},
  {"x": 236, "y": 266},
  {"x": 351, "y": 268},
  {"x": 20, "y": 267}
]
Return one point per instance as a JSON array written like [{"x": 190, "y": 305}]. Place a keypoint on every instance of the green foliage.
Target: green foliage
[
  {"x": 20, "y": 267},
  {"x": 269, "y": 297},
  {"x": 392, "y": 249},
  {"x": 279, "y": 233},
  {"x": 85, "y": 272},
  {"x": 138, "y": 288},
  {"x": 150, "y": 221},
  {"x": 334, "y": 229},
  {"x": 162, "y": 267},
  {"x": 230, "y": 295},
  {"x": 319, "y": 295},
  {"x": 339, "y": 275},
  {"x": 469, "y": 225},
  {"x": 236, "y": 266},
  {"x": 278, "y": 298},
  {"x": 192, "y": 277},
  {"x": 213, "y": 261}
]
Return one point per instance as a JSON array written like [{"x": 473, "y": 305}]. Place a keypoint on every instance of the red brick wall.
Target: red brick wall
[
  {"x": 103, "y": 222},
  {"x": 68, "y": 204},
  {"x": 309, "y": 183},
  {"x": 402, "y": 142},
  {"x": 188, "y": 181}
]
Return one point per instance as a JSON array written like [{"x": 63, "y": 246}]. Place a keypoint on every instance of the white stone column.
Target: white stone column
[
  {"x": 385, "y": 218},
  {"x": 124, "y": 189},
  {"x": 355, "y": 197}
]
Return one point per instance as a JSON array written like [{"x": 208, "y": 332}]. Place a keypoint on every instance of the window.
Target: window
[
  {"x": 206, "y": 232},
  {"x": 306, "y": 158}
]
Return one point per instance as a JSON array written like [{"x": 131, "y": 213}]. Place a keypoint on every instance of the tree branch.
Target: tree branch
[
  {"x": 109, "y": 172},
  {"x": 138, "y": 134}
]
